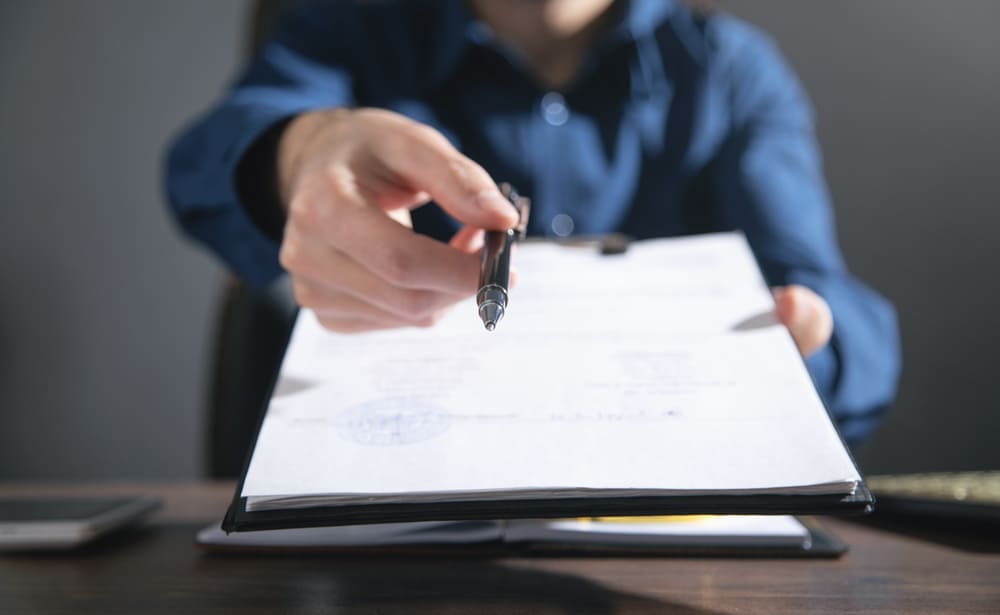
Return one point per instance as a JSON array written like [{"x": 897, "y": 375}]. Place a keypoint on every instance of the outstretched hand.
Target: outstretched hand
[
  {"x": 349, "y": 179},
  {"x": 806, "y": 315}
]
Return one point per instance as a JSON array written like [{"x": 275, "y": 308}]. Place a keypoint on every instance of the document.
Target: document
[{"x": 658, "y": 372}]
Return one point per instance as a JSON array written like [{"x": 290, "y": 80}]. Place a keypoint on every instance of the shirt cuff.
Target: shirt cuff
[{"x": 256, "y": 181}]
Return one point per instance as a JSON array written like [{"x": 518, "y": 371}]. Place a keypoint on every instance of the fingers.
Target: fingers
[
  {"x": 334, "y": 213},
  {"x": 427, "y": 162},
  {"x": 806, "y": 315},
  {"x": 406, "y": 259},
  {"x": 468, "y": 239},
  {"x": 327, "y": 280}
]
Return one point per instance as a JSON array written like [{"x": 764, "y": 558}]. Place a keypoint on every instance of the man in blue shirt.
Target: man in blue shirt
[{"x": 640, "y": 117}]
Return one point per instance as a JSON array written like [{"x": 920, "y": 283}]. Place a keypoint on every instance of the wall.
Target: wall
[
  {"x": 104, "y": 310},
  {"x": 106, "y": 314},
  {"x": 907, "y": 94}
]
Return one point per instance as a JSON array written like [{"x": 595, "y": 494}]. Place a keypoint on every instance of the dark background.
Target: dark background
[{"x": 106, "y": 314}]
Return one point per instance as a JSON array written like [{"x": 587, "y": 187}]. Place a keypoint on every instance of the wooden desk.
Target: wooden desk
[{"x": 160, "y": 570}]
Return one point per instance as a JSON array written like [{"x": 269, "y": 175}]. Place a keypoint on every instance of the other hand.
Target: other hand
[
  {"x": 806, "y": 315},
  {"x": 348, "y": 179}
]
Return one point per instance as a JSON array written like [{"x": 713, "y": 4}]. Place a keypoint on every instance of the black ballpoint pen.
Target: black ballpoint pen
[{"x": 494, "y": 268}]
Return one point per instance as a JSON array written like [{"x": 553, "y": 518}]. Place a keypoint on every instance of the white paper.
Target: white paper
[{"x": 659, "y": 371}]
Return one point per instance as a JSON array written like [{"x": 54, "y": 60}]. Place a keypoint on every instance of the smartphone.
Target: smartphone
[{"x": 66, "y": 522}]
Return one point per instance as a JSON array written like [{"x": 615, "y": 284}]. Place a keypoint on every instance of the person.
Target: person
[{"x": 360, "y": 153}]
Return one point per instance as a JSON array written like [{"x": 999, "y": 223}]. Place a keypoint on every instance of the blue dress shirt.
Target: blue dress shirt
[{"x": 677, "y": 123}]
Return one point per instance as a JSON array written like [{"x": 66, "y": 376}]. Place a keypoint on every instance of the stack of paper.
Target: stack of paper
[{"x": 658, "y": 373}]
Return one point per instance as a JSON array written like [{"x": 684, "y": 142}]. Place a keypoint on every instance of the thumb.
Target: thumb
[{"x": 806, "y": 315}]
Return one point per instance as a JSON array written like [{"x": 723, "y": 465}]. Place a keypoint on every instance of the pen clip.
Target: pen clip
[{"x": 523, "y": 206}]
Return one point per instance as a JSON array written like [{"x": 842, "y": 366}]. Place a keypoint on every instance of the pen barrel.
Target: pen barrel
[
  {"x": 494, "y": 277},
  {"x": 494, "y": 268}
]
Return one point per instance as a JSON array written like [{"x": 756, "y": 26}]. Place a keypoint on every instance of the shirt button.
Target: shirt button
[
  {"x": 554, "y": 109},
  {"x": 562, "y": 225}
]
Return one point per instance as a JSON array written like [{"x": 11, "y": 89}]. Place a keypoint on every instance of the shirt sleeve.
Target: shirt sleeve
[
  {"x": 306, "y": 65},
  {"x": 769, "y": 184}
]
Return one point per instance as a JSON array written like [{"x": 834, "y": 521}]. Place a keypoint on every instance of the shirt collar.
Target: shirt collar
[{"x": 457, "y": 29}]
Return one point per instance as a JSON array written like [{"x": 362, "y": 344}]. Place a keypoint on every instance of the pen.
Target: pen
[{"x": 494, "y": 268}]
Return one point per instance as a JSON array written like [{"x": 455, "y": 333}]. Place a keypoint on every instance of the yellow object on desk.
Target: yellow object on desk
[{"x": 649, "y": 519}]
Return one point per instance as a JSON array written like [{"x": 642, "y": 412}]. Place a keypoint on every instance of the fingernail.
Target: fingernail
[{"x": 492, "y": 199}]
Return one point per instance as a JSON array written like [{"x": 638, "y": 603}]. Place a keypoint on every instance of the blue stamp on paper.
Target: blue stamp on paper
[{"x": 393, "y": 421}]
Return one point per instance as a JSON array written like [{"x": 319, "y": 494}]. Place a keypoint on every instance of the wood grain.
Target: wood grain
[{"x": 159, "y": 570}]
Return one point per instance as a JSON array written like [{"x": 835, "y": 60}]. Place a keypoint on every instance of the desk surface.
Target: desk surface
[{"x": 159, "y": 569}]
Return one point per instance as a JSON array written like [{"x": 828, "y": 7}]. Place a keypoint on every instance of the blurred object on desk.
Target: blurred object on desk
[{"x": 966, "y": 495}]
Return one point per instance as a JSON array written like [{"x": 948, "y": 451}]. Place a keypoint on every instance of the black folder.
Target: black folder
[
  {"x": 577, "y": 538},
  {"x": 237, "y": 518}
]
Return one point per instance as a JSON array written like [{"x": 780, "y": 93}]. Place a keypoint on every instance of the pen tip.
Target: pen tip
[{"x": 490, "y": 313}]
